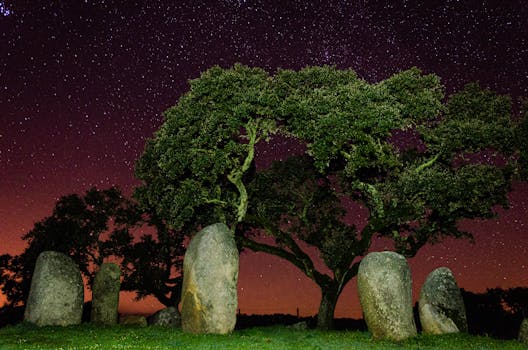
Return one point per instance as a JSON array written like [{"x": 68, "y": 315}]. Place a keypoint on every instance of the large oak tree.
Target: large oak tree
[{"x": 413, "y": 159}]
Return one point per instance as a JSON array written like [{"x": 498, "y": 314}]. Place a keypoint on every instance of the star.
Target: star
[
  {"x": 4, "y": 10},
  {"x": 83, "y": 84}
]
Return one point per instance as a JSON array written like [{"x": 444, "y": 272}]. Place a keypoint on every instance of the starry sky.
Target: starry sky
[{"x": 83, "y": 84}]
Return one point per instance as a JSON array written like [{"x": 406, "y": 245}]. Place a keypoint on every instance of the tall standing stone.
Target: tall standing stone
[
  {"x": 441, "y": 306},
  {"x": 105, "y": 294},
  {"x": 210, "y": 274},
  {"x": 385, "y": 294},
  {"x": 56, "y": 295}
]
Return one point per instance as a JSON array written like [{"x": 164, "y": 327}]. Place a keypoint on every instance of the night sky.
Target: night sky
[{"x": 83, "y": 84}]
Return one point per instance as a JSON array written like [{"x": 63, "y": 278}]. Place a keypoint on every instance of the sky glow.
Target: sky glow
[{"x": 83, "y": 84}]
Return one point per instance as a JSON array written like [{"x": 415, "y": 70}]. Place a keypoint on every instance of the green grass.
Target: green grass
[{"x": 278, "y": 337}]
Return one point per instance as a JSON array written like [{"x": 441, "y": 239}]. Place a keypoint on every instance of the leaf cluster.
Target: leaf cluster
[
  {"x": 292, "y": 199},
  {"x": 347, "y": 122},
  {"x": 475, "y": 119},
  {"x": 194, "y": 165}
]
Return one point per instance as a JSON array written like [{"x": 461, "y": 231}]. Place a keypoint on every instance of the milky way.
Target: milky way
[{"x": 83, "y": 84}]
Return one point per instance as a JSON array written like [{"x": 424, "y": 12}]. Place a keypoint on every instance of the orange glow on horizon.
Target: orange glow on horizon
[{"x": 269, "y": 285}]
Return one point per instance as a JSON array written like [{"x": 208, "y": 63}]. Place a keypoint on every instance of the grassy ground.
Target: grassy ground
[{"x": 122, "y": 337}]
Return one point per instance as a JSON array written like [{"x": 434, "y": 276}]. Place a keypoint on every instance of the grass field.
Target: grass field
[{"x": 278, "y": 337}]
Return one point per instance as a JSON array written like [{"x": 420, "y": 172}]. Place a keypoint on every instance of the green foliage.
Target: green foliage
[
  {"x": 475, "y": 119},
  {"x": 278, "y": 337},
  {"x": 195, "y": 165},
  {"x": 425, "y": 206},
  {"x": 418, "y": 96},
  {"x": 351, "y": 121}
]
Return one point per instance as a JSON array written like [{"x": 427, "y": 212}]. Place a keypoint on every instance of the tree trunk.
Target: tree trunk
[{"x": 325, "y": 317}]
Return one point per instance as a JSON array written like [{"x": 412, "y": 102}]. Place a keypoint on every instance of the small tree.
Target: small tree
[{"x": 152, "y": 265}]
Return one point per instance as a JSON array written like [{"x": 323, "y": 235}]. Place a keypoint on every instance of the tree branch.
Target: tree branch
[
  {"x": 427, "y": 164},
  {"x": 297, "y": 258},
  {"x": 215, "y": 201},
  {"x": 373, "y": 195},
  {"x": 235, "y": 177},
  {"x": 366, "y": 237},
  {"x": 348, "y": 275},
  {"x": 266, "y": 248}
]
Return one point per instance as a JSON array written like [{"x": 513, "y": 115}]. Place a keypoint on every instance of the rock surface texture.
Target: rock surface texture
[
  {"x": 441, "y": 306},
  {"x": 56, "y": 295},
  {"x": 105, "y": 295},
  {"x": 169, "y": 317},
  {"x": 210, "y": 274},
  {"x": 384, "y": 287},
  {"x": 523, "y": 332}
]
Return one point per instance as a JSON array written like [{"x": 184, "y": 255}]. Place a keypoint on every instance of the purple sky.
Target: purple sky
[{"x": 83, "y": 84}]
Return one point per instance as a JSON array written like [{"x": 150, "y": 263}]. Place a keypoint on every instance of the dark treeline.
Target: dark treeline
[
  {"x": 497, "y": 313},
  {"x": 149, "y": 253},
  {"x": 249, "y": 321}
]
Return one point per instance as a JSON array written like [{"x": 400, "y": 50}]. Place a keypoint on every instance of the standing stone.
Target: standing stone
[
  {"x": 210, "y": 274},
  {"x": 168, "y": 317},
  {"x": 56, "y": 295},
  {"x": 523, "y": 332},
  {"x": 105, "y": 295},
  {"x": 385, "y": 294},
  {"x": 441, "y": 306}
]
